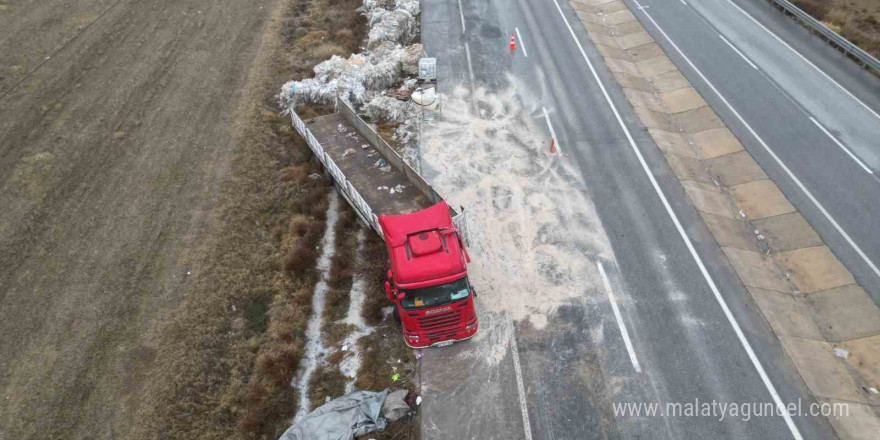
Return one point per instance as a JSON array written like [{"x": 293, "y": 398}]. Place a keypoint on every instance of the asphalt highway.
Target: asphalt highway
[
  {"x": 682, "y": 327},
  {"x": 797, "y": 99}
]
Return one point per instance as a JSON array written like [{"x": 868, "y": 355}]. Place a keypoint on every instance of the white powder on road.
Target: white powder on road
[{"x": 534, "y": 232}]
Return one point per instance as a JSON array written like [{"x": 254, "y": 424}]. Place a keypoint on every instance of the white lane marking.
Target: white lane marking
[
  {"x": 521, "y": 45},
  {"x": 806, "y": 60},
  {"x": 842, "y": 147},
  {"x": 687, "y": 241},
  {"x": 461, "y": 14},
  {"x": 771, "y": 153},
  {"x": 683, "y": 2},
  {"x": 552, "y": 132},
  {"x": 738, "y": 52},
  {"x": 467, "y": 50},
  {"x": 520, "y": 388},
  {"x": 623, "y": 332}
]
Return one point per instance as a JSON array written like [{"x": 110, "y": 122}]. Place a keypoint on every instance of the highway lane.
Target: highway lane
[
  {"x": 684, "y": 343},
  {"x": 819, "y": 119}
]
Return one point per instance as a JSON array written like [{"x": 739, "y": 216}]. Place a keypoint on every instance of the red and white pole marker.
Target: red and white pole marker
[
  {"x": 552, "y": 145},
  {"x": 512, "y": 42}
]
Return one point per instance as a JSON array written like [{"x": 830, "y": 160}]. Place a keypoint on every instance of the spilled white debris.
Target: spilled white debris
[
  {"x": 351, "y": 363},
  {"x": 369, "y": 73},
  {"x": 315, "y": 350},
  {"x": 397, "y": 26},
  {"x": 388, "y": 109},
  {"x": 533, "y": 228},
  {"x": 365, "y": 79}
]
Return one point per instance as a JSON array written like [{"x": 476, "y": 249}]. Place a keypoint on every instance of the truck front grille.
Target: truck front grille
[
  {"x": 428, "y": 323},
  {"x": 445, "y": 334}
]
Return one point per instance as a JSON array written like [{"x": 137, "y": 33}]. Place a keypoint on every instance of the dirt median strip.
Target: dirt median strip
[{"x": 801, "y": 288}]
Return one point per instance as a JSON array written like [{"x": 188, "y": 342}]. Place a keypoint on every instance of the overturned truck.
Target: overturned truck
[{"x": 425, "y": 237}]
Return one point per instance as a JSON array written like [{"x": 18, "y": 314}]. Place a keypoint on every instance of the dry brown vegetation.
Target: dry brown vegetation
[
  {"x": 228, "y": 355},
  {"x": 327, "y": 382},
  {"x": 856, "y": 20},
  {"x": 375, "y": 263},
  {"x": 381, "y": 350},
  {"x": 340, "y": 277},
  {"x": 319, "y": 29}
]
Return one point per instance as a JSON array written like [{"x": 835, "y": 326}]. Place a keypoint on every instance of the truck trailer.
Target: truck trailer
[{"x": 426, "y": 238}]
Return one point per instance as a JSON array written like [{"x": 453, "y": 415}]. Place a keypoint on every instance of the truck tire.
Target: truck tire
[{"x": 396, "y": 314}]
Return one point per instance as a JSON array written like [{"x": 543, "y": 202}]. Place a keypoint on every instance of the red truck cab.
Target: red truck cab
[{"x": 428, "y": 281}]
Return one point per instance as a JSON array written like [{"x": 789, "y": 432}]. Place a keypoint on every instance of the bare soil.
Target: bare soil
[
  {"x": 114, "y": 135},
  {"x": 856, "y": 20},
  {"x": 157, "y": 217}
]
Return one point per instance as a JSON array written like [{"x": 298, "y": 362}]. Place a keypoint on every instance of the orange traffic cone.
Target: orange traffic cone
[
  {"x": 512, "y": 43},
  {"x": 552, "y": 145}
]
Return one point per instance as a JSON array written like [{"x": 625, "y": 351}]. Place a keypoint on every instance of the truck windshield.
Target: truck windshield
[{"x": 436, "y": 295}]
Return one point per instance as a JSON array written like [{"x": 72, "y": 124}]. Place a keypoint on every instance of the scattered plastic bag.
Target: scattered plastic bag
[{"x": 395, "y": 406}]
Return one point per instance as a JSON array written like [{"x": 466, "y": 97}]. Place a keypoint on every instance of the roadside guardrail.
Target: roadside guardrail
[{"x": 863, "y": 58}]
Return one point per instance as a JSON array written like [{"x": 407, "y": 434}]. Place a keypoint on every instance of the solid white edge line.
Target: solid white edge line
[
  {"x": 806, "y": 60},
  {"x": 687, "y": 241},
  {"x": 769, "y": 151},
  {"x": 521, "y": 44},
  {"x": 552, "y": 132},
  {"x": 623, "y": 332},
  {"x": 467, "y": 50},
  {"x": 842, "y": 147},
  {"x": 520, "y": 388},
  {"x": 461, "y": 14},
  {"x": 738, "y": 52}
]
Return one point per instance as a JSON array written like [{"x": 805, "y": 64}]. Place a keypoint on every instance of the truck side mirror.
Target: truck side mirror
[
  {"x": 401, "y": 296},
  {"x": 388, "y": 293},
  {"x": 389, "y": 275}
]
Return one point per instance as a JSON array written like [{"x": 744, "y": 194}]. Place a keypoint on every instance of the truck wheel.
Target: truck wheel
[{"x": 396, "y": 314}]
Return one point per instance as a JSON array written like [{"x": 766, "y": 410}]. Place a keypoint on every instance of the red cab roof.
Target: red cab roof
[{"x": 424, "y": 247}]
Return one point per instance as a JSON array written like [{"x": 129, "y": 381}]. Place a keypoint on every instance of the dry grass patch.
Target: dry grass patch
[
  {"x": 327, "y": 382},
  {"x": 319, "y": 29},
  {"x": 374, "y": 266},
  {"x": 229, "y": 354},
  {"x": 856, "y": 20},
  {"x": 342, "y": 266}
]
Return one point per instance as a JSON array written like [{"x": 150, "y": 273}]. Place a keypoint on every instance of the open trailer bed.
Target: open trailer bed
[{"x": 368, "y": 173}]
